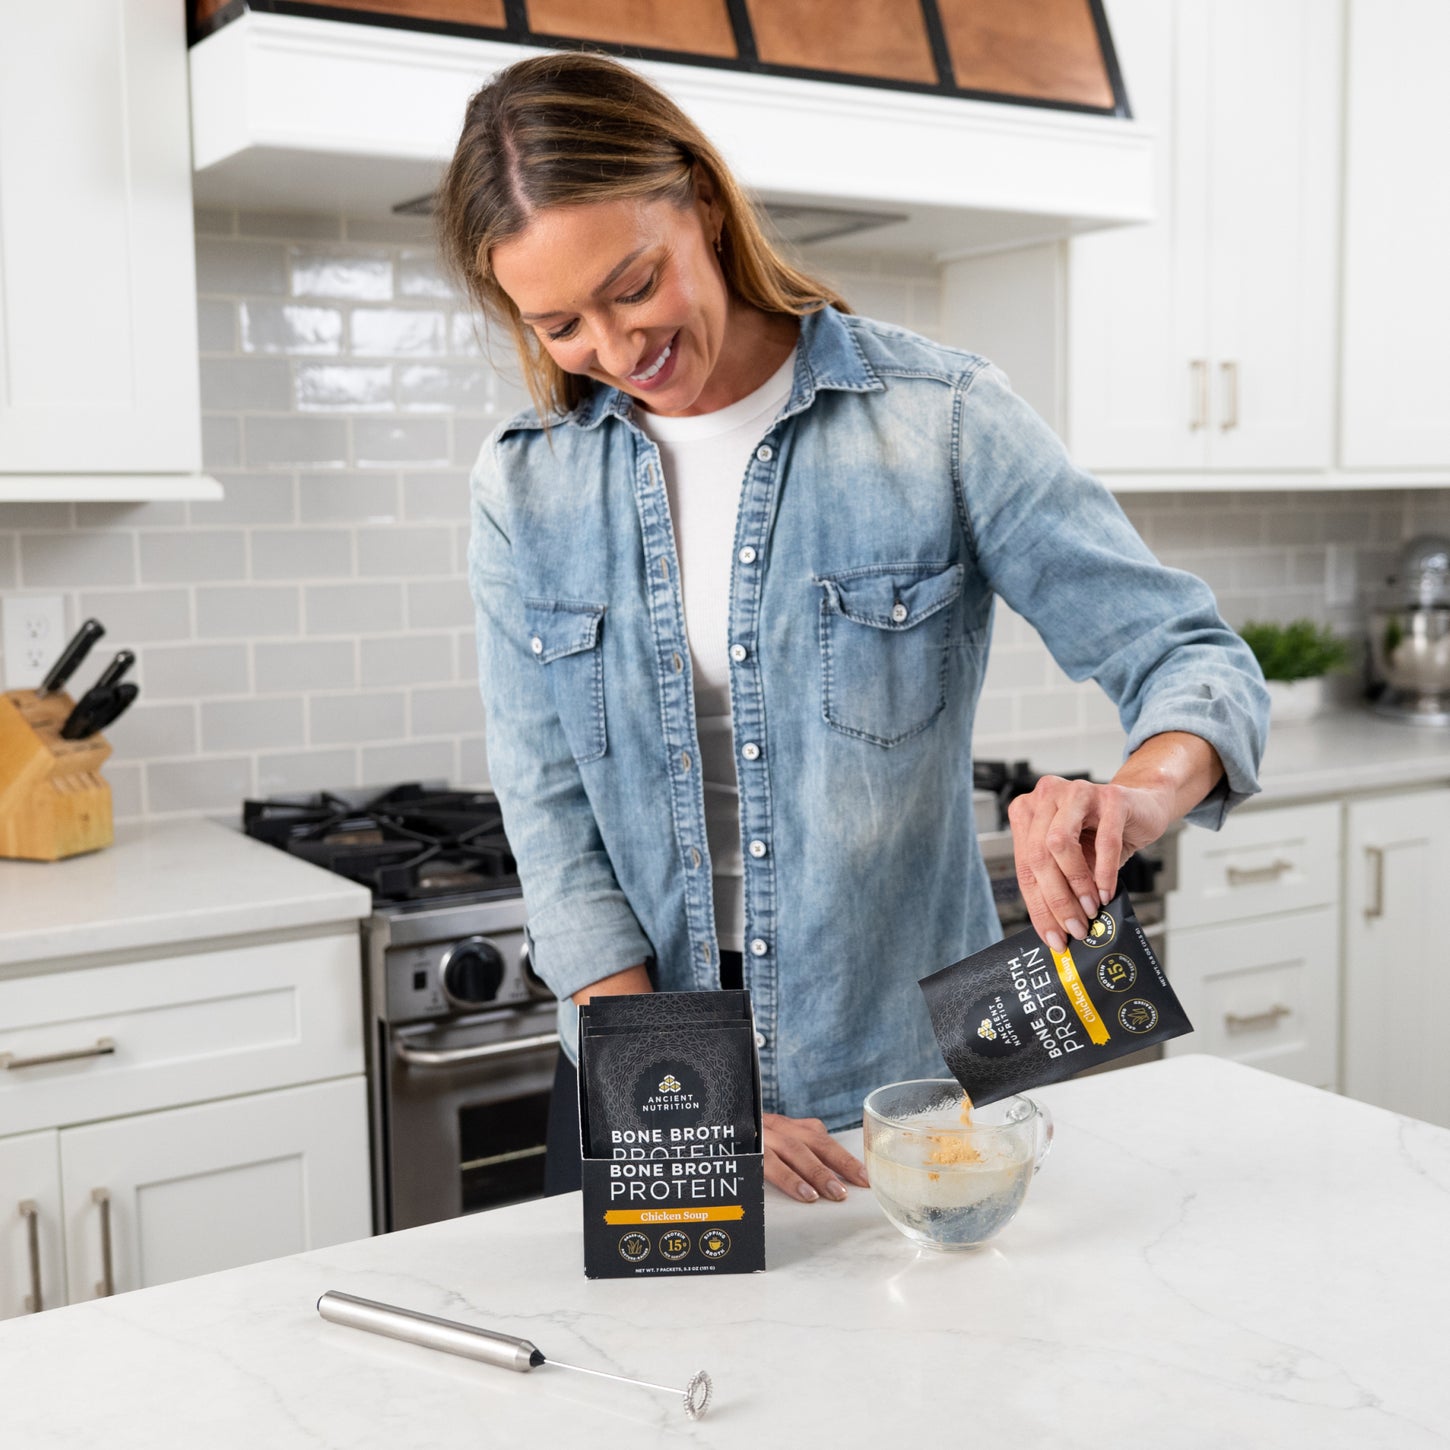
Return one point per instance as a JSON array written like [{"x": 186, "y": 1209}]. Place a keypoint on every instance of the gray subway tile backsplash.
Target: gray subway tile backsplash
[
  {"x": 314, "y": 665},
  {"x": 313, "y": 628},
  {"x": 247, "y": 611}
]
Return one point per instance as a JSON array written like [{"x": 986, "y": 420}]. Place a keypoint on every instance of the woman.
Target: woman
[{"x": 734, "y": 578}]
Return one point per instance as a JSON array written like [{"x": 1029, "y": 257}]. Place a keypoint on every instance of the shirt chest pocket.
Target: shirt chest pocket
[
  {"x": 566, "y": 637},
  {"x": 885, "y": 633}
]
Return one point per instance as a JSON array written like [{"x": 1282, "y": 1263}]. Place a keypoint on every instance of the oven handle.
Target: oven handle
[{"x": 422, "y": 1057}]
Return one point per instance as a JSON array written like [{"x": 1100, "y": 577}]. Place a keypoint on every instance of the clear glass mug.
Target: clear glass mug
[{"x": 944, "y": 1183}]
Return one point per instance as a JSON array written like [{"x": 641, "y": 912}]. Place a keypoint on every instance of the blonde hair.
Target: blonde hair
[{"x": 573, "y": 128}]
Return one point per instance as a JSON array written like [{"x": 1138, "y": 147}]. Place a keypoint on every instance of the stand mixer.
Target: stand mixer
[{"x": 1409, "y": 635}]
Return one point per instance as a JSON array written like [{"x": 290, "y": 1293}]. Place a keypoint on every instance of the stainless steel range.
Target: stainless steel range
[{"x": 462, "y": 1034}]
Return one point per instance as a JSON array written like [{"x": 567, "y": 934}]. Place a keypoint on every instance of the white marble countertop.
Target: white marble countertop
[
  {"x": 1210, "y": 1257},
  {"x": 162, "y": 883},
  {"x": 1340, "y": 753}
]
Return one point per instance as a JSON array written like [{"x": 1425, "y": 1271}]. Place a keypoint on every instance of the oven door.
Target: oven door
[{"x": 466, "y": 1109}]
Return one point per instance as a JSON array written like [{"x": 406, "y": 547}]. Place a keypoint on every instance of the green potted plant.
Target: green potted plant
[{"x": 1295, "y": 659}]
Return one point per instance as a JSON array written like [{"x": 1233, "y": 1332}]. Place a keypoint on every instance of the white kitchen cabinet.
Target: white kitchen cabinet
[
  {"x": 180, "y": 1114},
  {"x": 1203, "y": 341},
  {"x": 1396, "y": 370},
  {"x": 1252, "y": 941},
  {"x": 1396, "y": 987},
  {"x": 99, "y": 392}
]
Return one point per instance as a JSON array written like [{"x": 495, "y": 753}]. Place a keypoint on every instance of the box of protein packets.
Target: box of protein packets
[{"x": 670, "y": 1135}]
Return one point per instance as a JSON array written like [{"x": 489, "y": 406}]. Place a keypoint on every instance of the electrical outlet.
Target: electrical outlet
[{"x": 34, "y": 633}]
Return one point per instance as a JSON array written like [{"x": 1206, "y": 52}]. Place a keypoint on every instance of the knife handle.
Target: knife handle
[
  {"x": 84, "y": 720},
  {"x": 111, "y": 675},
  {"x": 122, "y": 698},
  {"x": 78, "y": 648},
  {"x": 409, "y": 1325}
]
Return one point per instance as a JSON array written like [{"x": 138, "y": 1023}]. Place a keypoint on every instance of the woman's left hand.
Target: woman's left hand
[{"x": 1071, "y": 836}]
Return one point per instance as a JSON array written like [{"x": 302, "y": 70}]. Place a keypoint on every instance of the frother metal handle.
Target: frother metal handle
[{"x": 431, "y": 1332}]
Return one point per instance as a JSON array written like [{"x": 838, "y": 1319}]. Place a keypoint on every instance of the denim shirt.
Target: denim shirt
[{"x": 900, "y": 489}]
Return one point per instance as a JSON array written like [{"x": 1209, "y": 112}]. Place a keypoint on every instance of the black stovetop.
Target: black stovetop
[{"x": 408, "y": 844}]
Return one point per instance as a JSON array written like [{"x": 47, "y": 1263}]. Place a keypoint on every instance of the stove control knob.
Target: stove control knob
[{"x": 472, "y": 972}]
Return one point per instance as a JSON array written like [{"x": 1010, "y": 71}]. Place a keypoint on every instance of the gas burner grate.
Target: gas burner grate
[{"x": 407, "y": 843}]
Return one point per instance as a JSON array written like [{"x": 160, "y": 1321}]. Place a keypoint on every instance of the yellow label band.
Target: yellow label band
[
  {"x": 674, "y": 1215},
  {"x": 1077, "y": 995}
]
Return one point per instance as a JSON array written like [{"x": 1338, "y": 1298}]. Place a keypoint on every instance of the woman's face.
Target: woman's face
[{"x": 626, "y": 292}]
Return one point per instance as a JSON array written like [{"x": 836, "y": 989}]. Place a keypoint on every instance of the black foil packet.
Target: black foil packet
[
  {"x": 680, "y": 1088},
  {"x": 1014, "y": 1016}
]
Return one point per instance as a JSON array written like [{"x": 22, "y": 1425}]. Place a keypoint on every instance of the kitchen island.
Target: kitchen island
[{"x": 1211, "y": 1256}]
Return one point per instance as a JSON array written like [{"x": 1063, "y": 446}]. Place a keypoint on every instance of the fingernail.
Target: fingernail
[
  {"x": 1107, "y": 896},
  {"x": 1057, "y": 942},
  {"x": 835, "y": 1190},
  {"x": 861, "y": 1178},
  {"x": 1089, "y": 906},
  {"x": 808, "y": 1193},
  {"x": 1076, "y": 928}
]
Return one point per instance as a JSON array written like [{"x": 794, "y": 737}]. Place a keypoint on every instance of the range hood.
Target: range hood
[{"x": 300, "y": 114}]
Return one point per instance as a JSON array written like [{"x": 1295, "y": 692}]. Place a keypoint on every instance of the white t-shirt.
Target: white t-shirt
[{"x": 705, "y": 458}]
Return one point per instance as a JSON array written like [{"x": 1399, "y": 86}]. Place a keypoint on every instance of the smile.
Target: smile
[{"x": 654, "y": 367}]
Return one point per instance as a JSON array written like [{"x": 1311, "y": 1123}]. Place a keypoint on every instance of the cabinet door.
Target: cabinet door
[
  {"x": 98, "y": 350},
  {"x": 1264, "y": 993},
  {"x": 1396, "y": 986},
  {"x": 198, "y": 1189},
  {"x": 1396, "y": 368},
  {"x": 1136, "y": 312},
  {"x": 1273, "y": 148},
  {"x": 32, "y": 1253}
]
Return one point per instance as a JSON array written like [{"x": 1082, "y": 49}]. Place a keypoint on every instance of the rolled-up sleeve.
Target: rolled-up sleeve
[
  {"x": 582, "y": 927},
  {"x": 1053, "y": 543}
]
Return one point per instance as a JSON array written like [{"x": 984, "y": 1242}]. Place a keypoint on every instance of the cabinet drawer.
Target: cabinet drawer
[
  {"x": 144, "y": 1035},
  {"x": 1260, "y": 864},
  {"x": 1263, "y": 993}
]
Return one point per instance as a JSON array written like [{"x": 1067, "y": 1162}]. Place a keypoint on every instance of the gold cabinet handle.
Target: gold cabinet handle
[
  {"x": 1235, "y": 1023},
  {"x": 1198, "y": 385},
  {"x": 30, "y": 1212},
  {"x": 104, "y": 1046},
  {"x": 1257, "y": 875},
  {"x": 1375, "y": 906},
  {"x": 1229, "y": 371},
  {"x": 102, "y": 1198}
]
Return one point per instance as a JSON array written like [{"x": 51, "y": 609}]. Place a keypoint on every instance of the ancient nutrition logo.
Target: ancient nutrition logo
[{"x": 670, "y": 1084}]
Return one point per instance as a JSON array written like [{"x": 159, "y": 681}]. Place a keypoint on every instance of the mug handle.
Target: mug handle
[{"x": 1045, "y": 1136}]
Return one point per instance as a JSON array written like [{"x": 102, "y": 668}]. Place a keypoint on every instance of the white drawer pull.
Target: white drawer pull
[
  {"x": 1235, "y": 1023},
  {"x": 1376, "y": 906},
  {"x": 1258, "y": 875},
  {"x": 103, "y": 1048}
]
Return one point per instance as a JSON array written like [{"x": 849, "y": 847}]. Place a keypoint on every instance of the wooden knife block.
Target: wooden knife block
[{"x": 53, "y": 802}]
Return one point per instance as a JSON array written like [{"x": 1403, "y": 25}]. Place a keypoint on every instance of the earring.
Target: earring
[{"x": 719, "y": 240}]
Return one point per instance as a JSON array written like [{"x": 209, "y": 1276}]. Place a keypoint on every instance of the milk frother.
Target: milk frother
[{"x": 485, "y": 1345}]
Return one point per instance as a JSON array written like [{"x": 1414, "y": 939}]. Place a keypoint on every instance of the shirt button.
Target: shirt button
[
  {"x": 757, "y": 849},
  {"x": 678, "y": 663},
  {"x": 750, "y": 750},
  {"x": 738, "y": 652},
  {"x": 537, "y": 645},
  {"x": 760, "y": 1039},
  {"x": 758, "y": 948},
  {"x": 684, "y": 760},
  {"x": 695, "y": 857},
  {"x": 764, "y": 453},
  {"x": 898, "y": 612},
  {"x": 747, "y": 555}
]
